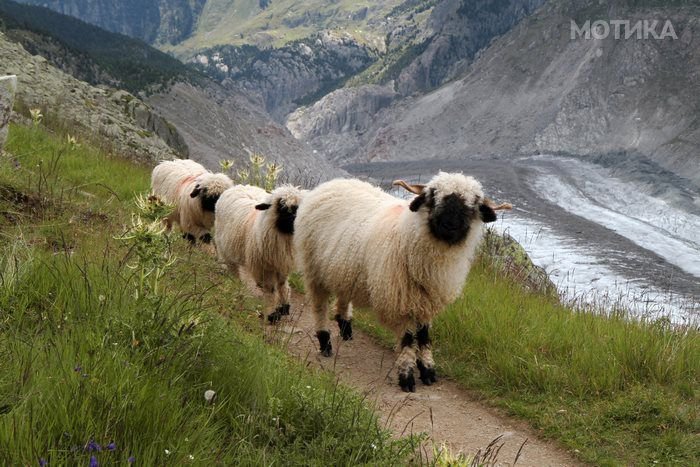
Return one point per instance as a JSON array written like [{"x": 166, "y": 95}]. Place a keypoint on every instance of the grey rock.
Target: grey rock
[
  {"x": 534, "y": 90},
  {"x": 217, "y": 124},
  {"x": 8, "y": 87},
  {"x": 89, "y": 110}
]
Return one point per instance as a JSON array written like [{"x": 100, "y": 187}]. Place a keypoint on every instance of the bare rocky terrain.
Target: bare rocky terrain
[
  {"x": 131, "y": 126},
  {"x": 535, "y": 90}
]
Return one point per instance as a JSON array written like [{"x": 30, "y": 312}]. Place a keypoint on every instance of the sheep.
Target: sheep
[
  {"x": 254, "y": 229},
  {"x": 193, "y": 190},
  {"x": 405, "y": 259}
]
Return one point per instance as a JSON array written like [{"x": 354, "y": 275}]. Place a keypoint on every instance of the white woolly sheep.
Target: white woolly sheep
[
  {"x": 193, "y": 190},
  {"x": 254, "y": 230},
  {"x": 405, "y": 259}
]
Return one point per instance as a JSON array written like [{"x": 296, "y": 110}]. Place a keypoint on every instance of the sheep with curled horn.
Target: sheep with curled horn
[
  {"x": 406, "y": 259},
  {"x": 254, "y": 230},
  {"x": 194, "y": 191}
]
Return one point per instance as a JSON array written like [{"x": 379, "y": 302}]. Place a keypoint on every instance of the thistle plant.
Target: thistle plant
[
  {"x": 72, "y": 141},
  {"x": 272, "y": 174},
  {"x": 149, "y": 244},
  {"x": 36, "y": 115},
  {"x": 259, "y": 173},
  {"x": 257, "y": 161},
  {"x": 226, "y": 165}
]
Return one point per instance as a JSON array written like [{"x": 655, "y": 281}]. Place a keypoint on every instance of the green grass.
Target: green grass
[
  {"x": 89, "y": 355},
  {"x": 616, "y": 391}
]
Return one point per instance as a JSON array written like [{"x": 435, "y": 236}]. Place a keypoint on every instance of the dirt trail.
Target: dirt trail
[{"x": 447, "y": 413}]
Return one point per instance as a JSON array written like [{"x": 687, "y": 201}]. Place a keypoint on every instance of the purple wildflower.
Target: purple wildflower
[
  {"x": 131, "y": 460},
  {"x": 93, "y": 446},
  {"x": 42, "y": 462},
  {"x": 93, "y": 462},
  {"x": 112, "y": 446},
  {"x": 77, "y": 368}
]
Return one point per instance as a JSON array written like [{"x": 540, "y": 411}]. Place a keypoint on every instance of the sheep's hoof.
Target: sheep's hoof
[
  {"x": 324, "y": 340},
  {"x": 345, "y": 326},
  {"x": 274, "y": 316},
  {"x": 206, "y": 238},
  {"x": 284, "y": 309},
  {"x": 189, "y": 237},
  {"x": 427, "y": 375},
  {"x": 407, "y": 382}
]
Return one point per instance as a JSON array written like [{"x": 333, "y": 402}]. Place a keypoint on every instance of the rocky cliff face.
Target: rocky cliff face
[
  {"x": 115, "y": 116},
  {"x": 282, "y": 79},
  {"x": 534, "y": 89},
  {"x": 217, "y": 124},
  {"x": 458, "y": 30},
  {"x": 153, "y": 21}
]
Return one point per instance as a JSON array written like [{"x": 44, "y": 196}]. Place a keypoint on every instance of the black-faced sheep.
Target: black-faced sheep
[
  {"x": 194, "y": 191},
  {"x": 254, "y": 230},
  {"x": 405, "y": 259}
]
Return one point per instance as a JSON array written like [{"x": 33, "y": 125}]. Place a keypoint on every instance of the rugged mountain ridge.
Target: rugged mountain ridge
[
  {"x": 534, "y": 90},
  {"x": 195, "y": 117},
  {"x": 282, "y": 79},
  {"x": 153, "y": 21},
  {"x": 116, "y": 116}
]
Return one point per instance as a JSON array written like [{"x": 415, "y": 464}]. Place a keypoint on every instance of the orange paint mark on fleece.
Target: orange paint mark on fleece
[{"x": 185, "y": 181}]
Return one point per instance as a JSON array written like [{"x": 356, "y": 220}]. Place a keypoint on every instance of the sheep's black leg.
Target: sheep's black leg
[
  {"x": 406, "y": 363},
  {"x": 319, "y": 305},
  {"x": 343, "y": 317},
  {"x": 324, "y": 342},
  {"x": 206, "y": 238},
  {"x": 190, "y": 238},
  {"x": 425, "y": 362}
]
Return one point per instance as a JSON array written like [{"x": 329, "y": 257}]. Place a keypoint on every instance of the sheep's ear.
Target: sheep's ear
[
  {"x": 263, "y": 206},
  {"x": 197, "y": 190},
  {"x": 487, "y": 213},
  {"x": 417, "y": 202}
]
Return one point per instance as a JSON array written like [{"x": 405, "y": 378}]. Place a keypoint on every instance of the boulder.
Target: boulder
[{"x": 8, "y": 86}]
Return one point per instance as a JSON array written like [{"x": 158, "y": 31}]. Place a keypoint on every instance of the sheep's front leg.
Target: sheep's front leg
[
  {"x": 268, "y": 286},
  {"x": 343, "y": 316},
  {"x": 283, "y": 294},
  {"x": 425, "y": 362},
  {"x": 406, "y": 362},
  {"x": 319, "y": 305}
]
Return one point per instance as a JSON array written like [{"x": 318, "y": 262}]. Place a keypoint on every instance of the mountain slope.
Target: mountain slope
[
  {"x": 114, "y": 59},
  {"x": 205, "y": 121},
  {"x": 154, "y": 21},
  {"x": 117, "y": 116},
  {"x": 537, "y": 90}
]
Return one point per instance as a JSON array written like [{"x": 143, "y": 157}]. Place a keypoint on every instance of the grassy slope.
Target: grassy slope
[
  {"x": 614, "y": 390},
  {"x": 224, "y": 21},
  {"x": 84, "y": 357}
]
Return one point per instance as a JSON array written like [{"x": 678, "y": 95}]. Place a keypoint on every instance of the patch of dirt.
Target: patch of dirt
[
  {"x": 446, "y": 412},
  {"x": 23, "y": 204}
]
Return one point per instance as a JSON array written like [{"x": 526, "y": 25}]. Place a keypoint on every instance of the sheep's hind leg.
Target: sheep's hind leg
[
  {"x": 406, "y": 362},
  {"x": 319, "y": 305},
  {"x": 343, "y": 316},
  {"x": 426, "y": 365}
]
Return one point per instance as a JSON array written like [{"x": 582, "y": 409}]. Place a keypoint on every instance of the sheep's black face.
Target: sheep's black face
[
  {"x": 209, "y": 202},
  {"x": 285, "y": 217},
  {"x": 449, "y": 220}
]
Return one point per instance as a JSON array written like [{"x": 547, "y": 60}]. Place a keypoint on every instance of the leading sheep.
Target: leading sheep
[
  {"x": 405, "y": 259},
  {"x": 194, "y": 191}
]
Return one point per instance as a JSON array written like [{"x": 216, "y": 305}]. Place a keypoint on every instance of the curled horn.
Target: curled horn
[
  {"x": 416, "y": 189},
  {"x": 497, "y": 207}
]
